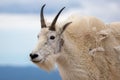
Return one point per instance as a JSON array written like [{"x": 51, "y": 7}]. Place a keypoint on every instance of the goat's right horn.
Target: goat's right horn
[{"x": 43, "y": 25}]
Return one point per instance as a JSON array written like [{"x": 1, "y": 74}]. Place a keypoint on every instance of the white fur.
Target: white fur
[{"x": 74, "y": 61}]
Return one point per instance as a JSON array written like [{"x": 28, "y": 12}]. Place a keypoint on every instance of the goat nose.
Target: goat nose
[{"x": 33, "y": 56}]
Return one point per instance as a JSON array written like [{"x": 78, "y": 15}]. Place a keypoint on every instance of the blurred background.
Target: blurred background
[{"x": 20, "y": 24}]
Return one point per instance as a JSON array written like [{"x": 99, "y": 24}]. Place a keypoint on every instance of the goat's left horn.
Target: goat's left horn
[
  {"x": 43, "y": 25},
  {"x": 52, "y": 27}
]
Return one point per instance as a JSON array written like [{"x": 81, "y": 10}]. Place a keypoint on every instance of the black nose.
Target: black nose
[{"x": 33, "y": 56}]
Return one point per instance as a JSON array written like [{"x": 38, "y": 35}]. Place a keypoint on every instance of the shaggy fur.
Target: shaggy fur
[{"x": 91, "y": 50}]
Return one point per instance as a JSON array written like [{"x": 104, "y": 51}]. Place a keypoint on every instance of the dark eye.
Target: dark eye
[
  {"x": 90, "y": 49},
  {"x": 52, "y": 37}
]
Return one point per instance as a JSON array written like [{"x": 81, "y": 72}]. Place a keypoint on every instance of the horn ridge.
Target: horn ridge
[
  {"x": 52, "y": 27},
  {"x": 43, "y": 25}
]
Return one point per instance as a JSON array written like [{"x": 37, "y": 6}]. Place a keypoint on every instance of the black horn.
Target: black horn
[
  {"x": 43, "y": 25},
  {"x": 52, "y": 27}
]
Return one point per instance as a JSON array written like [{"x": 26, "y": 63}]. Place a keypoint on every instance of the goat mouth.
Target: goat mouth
[
  {"x": 40, "y": 60},
  {"x": 36, "y": 61}
]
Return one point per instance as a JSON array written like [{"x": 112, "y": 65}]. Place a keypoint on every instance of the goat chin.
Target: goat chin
[{"x": 48, "y": 64}]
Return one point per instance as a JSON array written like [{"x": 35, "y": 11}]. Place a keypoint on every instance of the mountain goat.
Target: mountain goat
[{"x": 83, "y": 47}]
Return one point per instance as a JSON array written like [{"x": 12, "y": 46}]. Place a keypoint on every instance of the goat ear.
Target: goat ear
[{"x": 65, "y": 26}]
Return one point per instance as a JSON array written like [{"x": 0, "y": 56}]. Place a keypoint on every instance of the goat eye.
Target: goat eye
[
  {"x": 90, "y": 49},
  {"x": 52, "y": 37}
]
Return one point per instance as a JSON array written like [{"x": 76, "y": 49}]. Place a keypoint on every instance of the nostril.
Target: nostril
[{"x": 33, "y": 56}]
